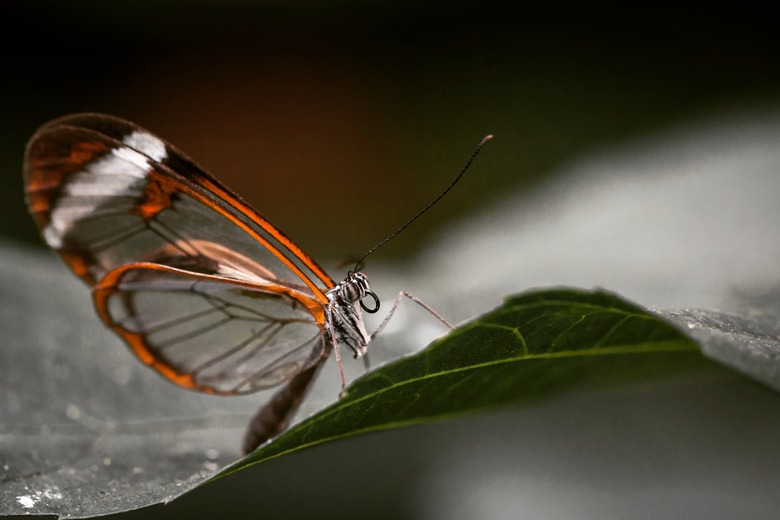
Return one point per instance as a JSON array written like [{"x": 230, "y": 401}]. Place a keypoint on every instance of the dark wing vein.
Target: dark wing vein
[{"x": 209, "y": 333}]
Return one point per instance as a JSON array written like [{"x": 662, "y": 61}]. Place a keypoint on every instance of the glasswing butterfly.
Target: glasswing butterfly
[{"x": 201, "y": 287}]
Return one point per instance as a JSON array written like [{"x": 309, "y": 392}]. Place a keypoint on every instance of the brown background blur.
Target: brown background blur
[{"x": 338, "y": 123}]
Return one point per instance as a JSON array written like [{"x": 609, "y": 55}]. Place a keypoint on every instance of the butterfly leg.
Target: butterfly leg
[
  {"x": 341, "y": 370},
  {"x": 415, "y": 300},
  {"x": 332, "y": 334}
]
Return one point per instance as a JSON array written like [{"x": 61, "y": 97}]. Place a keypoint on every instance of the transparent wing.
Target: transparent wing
[
  {"x": 210, "y": 333},
  {"x": 106, "y": 192},
  {"x": 199, "y": 285}
]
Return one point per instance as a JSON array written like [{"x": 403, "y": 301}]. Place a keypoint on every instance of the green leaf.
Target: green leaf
[{"x": 533, "y": 346}]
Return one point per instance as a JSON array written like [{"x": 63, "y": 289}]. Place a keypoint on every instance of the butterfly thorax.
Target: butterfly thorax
[{"x": 344, "y": 315}]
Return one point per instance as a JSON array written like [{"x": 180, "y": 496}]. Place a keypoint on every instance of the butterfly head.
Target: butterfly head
[
  {"x": 344, "y": 314},
  {"x": 354, "y": 288}
]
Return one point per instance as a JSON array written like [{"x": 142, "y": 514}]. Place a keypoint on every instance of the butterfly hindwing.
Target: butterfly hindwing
[{"x": 209, "y": 333}]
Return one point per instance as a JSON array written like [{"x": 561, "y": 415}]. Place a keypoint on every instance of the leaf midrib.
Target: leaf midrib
[{"x": 641, "y": 348}]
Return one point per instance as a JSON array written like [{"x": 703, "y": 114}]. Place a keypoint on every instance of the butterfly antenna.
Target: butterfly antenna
[{"x": 430, "y": 204}]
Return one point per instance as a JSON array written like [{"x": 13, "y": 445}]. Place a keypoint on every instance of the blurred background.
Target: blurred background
[{"x": 338, "y": 122}]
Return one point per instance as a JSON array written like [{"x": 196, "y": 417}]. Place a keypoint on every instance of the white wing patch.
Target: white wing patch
[
  {"x": 122, "y": 173},
  {"x": 147, "y": 144}
]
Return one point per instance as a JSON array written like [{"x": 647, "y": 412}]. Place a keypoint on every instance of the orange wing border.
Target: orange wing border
[
  {"x": 179, "y": 172},
  {"x": 109, "y": 286}
]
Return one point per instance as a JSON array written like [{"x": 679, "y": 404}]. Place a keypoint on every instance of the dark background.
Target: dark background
[{"x": 339, "y": 122}]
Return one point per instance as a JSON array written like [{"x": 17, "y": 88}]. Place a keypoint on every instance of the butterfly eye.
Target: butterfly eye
[{"x": 350, "y": 292}]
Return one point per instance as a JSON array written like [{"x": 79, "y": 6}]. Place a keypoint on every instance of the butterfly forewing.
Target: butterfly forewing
[
  {"x": 105, "y": 193},
  {"x": 210, "y": 333}
]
